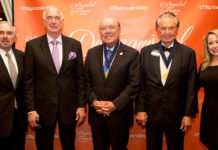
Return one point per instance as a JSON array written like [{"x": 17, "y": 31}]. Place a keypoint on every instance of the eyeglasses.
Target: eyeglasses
[{"x": 107, "y": 28}]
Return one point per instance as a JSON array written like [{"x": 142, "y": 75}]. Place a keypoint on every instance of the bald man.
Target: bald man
[
  {"x": 13, "y": 123},
  {"x": 112, "y": 71}
]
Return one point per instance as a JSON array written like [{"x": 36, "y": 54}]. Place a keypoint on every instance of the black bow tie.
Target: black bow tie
[{"x": 167, "y": 49}]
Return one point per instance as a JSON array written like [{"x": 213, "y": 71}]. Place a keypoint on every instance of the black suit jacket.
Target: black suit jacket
[
  {"x": 47, "y": 91},
  {"x": 178, "y": 97},
  {"x": 120, "y": 86},
  {"x": 7, "y": 97}
]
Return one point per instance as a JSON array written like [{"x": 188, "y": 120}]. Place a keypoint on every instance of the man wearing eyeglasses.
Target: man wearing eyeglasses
[{"x": 112, "y": 71}]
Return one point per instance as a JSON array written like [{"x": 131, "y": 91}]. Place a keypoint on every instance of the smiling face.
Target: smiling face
[
  {"x": 167, "y": 30},
  {"x": 53, "y": 21},
  {"x": 7, "y": 36},
  {"x": 109, "y": 31},
  {"x": 212, "y": 44}
]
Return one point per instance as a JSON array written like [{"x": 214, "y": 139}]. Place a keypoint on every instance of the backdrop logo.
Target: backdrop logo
[
  {"x": 172, "y": 5},
  {"x": 25, "y": 8},
  {"x": 84, "y": 136},
  {"x": 80, "y": 8},
  {"x": 208, "y": 7},
  {"x": 128, "y": 8}
]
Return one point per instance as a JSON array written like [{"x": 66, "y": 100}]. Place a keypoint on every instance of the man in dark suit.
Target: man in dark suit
[
  {"x": 167, "y": 99},
  {"x": 54, "y": 83},
  {"x": 112, "y": 71},
  {"x": 13, "y": 123}
]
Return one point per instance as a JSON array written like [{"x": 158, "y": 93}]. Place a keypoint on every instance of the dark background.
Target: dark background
[{"x": 2, "y": 14}]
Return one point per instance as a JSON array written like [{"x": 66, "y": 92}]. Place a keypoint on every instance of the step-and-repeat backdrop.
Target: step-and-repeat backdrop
[{"x": 137, "y": 18}]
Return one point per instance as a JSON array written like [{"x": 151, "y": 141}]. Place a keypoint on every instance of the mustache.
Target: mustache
[{"x": 5, "y": 40}]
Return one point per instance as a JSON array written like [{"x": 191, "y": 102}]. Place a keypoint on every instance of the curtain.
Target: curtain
[{"x": 7, "y": 7}]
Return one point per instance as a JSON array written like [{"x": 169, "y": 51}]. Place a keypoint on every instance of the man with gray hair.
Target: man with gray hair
[
  {"x": 54, "y": 80},
  {"x": 13, "y": 118},
  {"x": 167, "y": 99}
]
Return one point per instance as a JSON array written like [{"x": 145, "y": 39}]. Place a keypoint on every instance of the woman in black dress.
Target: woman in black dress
[{"x": 208, "y": 79}]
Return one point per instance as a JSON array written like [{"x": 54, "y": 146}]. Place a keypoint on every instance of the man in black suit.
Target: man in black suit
[
  {"x": 13, "y": 123},
  {"x": 167, "y": 99},
  {"x": 112, "y": 71},
  {"x": 54, "y": 83}
]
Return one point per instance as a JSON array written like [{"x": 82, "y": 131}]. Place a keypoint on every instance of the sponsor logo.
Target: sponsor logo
[
  {"x": 83, "y": 136},
  {"x": 80, "y": 8},
  {"x": 128, "y": 8},
  {"x": 208, "y": 7},
  {"x": 24, "y": 8},
  {"x": 172, "y": 6}
]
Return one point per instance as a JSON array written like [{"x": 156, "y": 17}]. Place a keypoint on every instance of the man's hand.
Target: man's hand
[
  {"x": 108, "y": 107},
  {"x": 98, "y": 106},
  {"x": 186, "y": 123},
  {"x": 141, "y": 118},
  {"x": 32, "y": 117},
  {"x": 80, "y": 116}
]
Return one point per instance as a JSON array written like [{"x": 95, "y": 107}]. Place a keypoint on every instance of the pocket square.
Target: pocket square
[{"x": 72, "y": 56}]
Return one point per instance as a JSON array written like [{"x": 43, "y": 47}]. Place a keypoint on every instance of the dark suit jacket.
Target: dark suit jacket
[
  {"x": 7, "y": 97},
  {"x": 177, "y": 98},
  {"x": 120, "y": 86},
  {"x": 47, "y": 91}
]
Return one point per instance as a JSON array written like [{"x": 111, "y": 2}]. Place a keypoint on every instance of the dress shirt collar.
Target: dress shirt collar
[
  {"x": 50, "y": 39},
  {"x": 112, "y": 47},
  {"x": 3, "y": 53}
]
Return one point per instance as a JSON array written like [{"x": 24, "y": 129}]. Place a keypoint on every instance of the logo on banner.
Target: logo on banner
[
  {"x": 84, "y": 136},
  {"x": 208, "y": 7},
  {"x": 83, "y": 9},
  {"x": 172, "y": 5},
  {"x": 128, "y": 8}
]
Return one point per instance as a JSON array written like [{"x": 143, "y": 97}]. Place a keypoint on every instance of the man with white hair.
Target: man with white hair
[
  {"x": 167, "y": 100},
  {"x": 54, "y": 83}
]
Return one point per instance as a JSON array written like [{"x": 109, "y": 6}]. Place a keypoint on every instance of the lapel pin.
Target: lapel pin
[{"x": 121, "y": 53}]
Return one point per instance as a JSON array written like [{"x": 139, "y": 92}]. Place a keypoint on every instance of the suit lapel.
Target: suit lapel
[
  {"x": 19, "y": 66},
  {"x": 118, "y": 57},
  {"x": 100, "y": 60},
  {"x": 155, "y": 62},
  {"x": 5, "y": 72},
  {"x": 67, "y": 47},
  {"x": 46, "y": 51}
]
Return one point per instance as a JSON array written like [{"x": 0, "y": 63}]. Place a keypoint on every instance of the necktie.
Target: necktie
[
  {"x": 167, "y": 49},
  {"x": 106, "y": 69},
  {"x": 109, "y": 53},
  {"x": 12, "y": 73},
  {"x": 55, "y": 55},
  {"x": 12, "y": 69}
]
